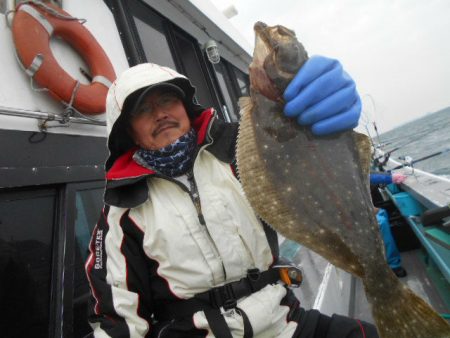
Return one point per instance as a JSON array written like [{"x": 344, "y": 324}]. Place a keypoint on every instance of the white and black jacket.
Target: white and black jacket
[{"x": 150, "y": 247}]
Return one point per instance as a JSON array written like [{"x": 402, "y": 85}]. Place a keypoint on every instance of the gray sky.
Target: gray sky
[{"x": 398, "y": 51}]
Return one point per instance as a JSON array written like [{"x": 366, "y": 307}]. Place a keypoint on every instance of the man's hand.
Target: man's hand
[
  {"x": 398, "y": 178},
  {"x": 323, "y": 96}
]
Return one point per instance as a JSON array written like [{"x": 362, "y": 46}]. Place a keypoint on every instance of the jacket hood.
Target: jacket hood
[
  {"x": 126, "y": 89},
  {"x": 124, "y": 167},
  {"x": 126, "y": 185}
]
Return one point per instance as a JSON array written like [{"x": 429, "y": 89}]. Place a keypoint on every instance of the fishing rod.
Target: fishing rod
[
  {"x": 376, "y": 131},
  {"x": 404, "y": 144},
  {"x": 370, "y": 137},
  {"x": 423, "y": 158},
  {"x": 365, "y": 119},
  {"x": 388, "y": 153}
]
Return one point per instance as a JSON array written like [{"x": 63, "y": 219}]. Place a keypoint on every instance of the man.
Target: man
[
  {"x": 178, "y": 252},
  {"x": 393, "y": 257}
]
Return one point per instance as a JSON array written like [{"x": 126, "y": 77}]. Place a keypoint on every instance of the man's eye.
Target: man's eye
[
  {"x": 167, "y": 100},
  {"x": 144, "y": 108}
]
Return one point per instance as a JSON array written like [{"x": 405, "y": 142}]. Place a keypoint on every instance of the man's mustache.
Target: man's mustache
[{"x": 163, "y": 125}]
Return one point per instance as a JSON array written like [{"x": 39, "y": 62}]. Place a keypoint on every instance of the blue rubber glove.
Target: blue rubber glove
[{"x": 323, "y": 96}]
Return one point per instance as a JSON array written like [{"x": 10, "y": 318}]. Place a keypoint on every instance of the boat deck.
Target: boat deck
[
  {"x": 430, "y": 190},
  {"x": 423, "y": 278},
  {"x": 345, "y": 294}
]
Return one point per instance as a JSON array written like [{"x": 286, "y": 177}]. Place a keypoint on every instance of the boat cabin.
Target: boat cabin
[{"x": 51, "y": 170}]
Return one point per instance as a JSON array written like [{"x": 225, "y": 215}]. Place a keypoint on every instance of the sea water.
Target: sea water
[{"x": 427, "y": 135}]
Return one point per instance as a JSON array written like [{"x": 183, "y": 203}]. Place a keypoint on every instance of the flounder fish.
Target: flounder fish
[{"x": 315, "y": 190}]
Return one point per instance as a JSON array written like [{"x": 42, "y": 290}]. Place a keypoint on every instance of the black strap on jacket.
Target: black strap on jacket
[
  {"x": 248, "y": 330},
  {"x": 217, "y": 323},
  {"x": 225, "y": 296}
]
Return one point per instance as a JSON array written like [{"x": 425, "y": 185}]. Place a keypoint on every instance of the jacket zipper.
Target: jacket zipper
[{"x": 195, "y": 197}]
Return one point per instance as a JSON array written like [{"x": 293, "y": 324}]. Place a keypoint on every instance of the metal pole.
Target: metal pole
[{"x": 48, "y": 116}]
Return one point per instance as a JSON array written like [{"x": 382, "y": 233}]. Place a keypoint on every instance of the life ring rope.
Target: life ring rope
[
  {"x": 51, "y": 11},
  {"x": 38, "y": 17},
  {"x": 31, "y": 70}
]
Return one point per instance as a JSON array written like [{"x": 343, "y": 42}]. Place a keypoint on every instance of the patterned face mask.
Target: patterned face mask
[{"x": 172, "y": 160}]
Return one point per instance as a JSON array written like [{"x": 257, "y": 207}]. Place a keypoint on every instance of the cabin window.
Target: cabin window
[
  {"x": 233, "y": 84},
  {"x": 191, "y": 65},
  {"x": 242, "y": 81},
  {"x": 27, "y": 219},
  {"x": 150, "y": 28},
  {"x": 225, "y": 84},
  {"x": 89, "y": 203}
]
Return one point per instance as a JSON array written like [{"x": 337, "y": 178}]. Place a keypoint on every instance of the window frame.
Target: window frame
[
  {"x": 34, "y": 162},
  {"x": 29, "y": 192},
  {"x": 68, "y": 203},
  {"x": 62, "y": 261}
]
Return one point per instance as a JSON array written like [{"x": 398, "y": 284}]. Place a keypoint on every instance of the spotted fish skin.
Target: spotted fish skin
[{"x": 315, "y": 191}]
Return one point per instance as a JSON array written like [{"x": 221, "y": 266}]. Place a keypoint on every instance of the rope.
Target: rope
[
  {"x": 68, "y": 111},
  {"x": 71, "y": 111},
  {"x": 43, "y": 126},
  {"x": 53, "y": 12},
  {"x": 76, "y": 112},
  {"x": 42, "y": 89}
]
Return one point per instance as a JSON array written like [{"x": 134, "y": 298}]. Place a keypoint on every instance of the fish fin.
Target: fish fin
[
  {"x": 363, "y": 146},
  {"x": 399, "y": 313},
  {"x": 245, "y": 103}
]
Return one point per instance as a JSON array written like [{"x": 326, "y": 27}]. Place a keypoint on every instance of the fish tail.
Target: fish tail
[{"x": 399, "y": 313}]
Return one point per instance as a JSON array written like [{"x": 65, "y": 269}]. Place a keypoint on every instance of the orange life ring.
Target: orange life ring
[{"x": 32, "y": 29}]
